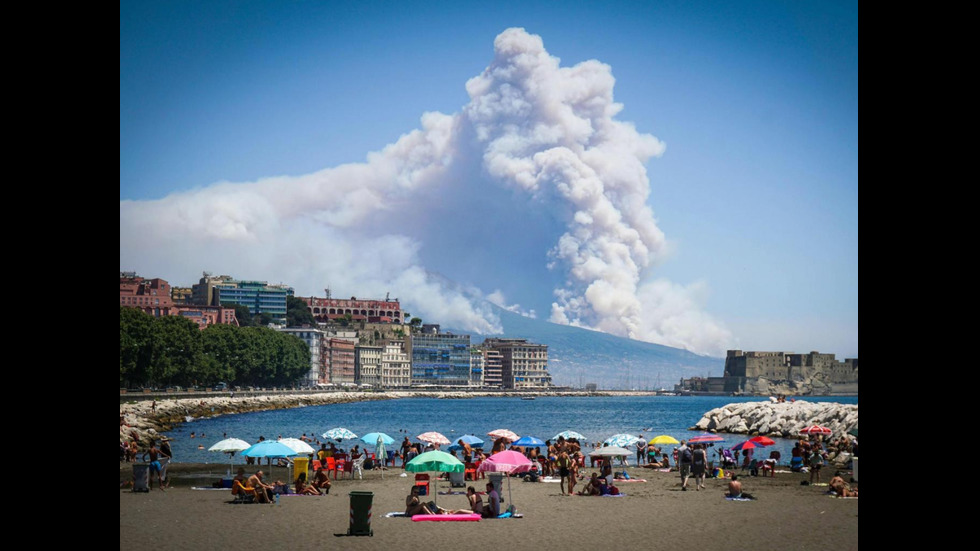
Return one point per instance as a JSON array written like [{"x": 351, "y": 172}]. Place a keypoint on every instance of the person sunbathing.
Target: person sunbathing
[
  {"x": 302, "y": 488},
  {"x": 414, "y": 505},
  {"x": 841, "y": 488},
  {"x": 476, "y": 502}
]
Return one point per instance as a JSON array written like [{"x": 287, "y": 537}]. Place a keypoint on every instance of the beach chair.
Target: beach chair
[
  {"x": 317, "y": 465},
  {"x": 470, "y": 472},
  {"x": 341, "y": 468},
  {"x": 242, "y": 494},
  {"x": 357, "y": 466},
  {"x": 727, "y": 460},
  {"x": 332, "y": 466},
  {"x": 422, "y": 481}
]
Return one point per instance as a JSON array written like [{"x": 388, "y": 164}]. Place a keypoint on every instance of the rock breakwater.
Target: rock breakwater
[{"x": 779, "y": 419}]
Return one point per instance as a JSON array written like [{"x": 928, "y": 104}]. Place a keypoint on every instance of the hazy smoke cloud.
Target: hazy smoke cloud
[{"x": 545, "y": 131}]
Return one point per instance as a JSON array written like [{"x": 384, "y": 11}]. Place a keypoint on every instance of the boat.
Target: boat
[{"x": 527, "y": 398}]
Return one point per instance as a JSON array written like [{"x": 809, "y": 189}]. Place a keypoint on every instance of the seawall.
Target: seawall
[{"x": 784, "y": 419}]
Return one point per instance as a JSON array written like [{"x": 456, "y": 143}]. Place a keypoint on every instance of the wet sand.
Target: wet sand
[{"x": 655, "y": 515}]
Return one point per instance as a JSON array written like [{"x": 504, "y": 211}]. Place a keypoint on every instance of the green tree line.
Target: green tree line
[{"x": 171, "y": 350}]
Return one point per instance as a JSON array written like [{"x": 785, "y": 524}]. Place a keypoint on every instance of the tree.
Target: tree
[
  {"x": 135, "y": 346},
  {"x": 298, "y": 313},
  {"x": 177, "y": 351},
  {"x": 243, "y": 314}
]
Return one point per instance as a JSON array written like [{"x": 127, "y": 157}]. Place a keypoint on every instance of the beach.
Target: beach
[{"x": 655, "y": 515}]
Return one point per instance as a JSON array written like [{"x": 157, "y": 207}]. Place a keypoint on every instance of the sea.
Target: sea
[{"x": 595, "y": 417}]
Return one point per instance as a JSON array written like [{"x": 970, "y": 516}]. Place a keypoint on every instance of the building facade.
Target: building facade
[
  {"x": 524, "y": 365},
  {"x": 259, "y": 296},
  {"x": 337, "y": 353},
  {"x": 367, "y": 365},
  {"x": 313, "y": 338},
  {"x": 440, "y": 359},
  {"x": 153, "y": 296},
  {"x": 396, "y": 366},
  {"x": 370, "y": 310}
]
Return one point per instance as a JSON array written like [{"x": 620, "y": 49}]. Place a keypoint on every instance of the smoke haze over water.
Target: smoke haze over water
[{"x": 532, "y": 185}]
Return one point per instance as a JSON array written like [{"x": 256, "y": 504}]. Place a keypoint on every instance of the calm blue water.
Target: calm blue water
[{"x": 595, "y": 417}]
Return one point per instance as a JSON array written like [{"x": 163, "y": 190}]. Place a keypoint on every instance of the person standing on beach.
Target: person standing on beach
[
  {"x": 816, "y": 463},
  {"x": 699, "y": 463},
  {"x": 155, "y": 466},
  {"x": 564, "y": 471},
  {"x": 684, "y": 458},
  {"x": 641, "y": 451}
]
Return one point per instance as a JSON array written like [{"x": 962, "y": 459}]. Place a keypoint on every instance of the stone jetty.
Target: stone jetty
[{"x": 783, "y": 419}]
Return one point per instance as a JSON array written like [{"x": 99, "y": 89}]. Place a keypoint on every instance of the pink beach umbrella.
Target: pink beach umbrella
[
  {"x": 433, "y": 438},
  {"x": 507, "y": 461},
  {"x": 816, "y": 429},
  {"x": 503, "y": 433}
]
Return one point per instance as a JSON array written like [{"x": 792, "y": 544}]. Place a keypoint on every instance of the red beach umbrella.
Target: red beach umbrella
[
  {"x": 816, "y": 429},
  {"x": 705, "y": 439},
  {"x": 763, "y": 440},
  {"x": 747, "y": 445}
]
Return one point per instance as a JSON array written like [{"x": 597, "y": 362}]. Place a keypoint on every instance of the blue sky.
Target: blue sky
[{"x": 748, "y": 112}]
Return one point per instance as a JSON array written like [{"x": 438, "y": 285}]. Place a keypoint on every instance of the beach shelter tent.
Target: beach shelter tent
[
  {"x": 230, "y": 446},
  {"x": 437, "y": 461},
  {"x": 507, "y": 461}
]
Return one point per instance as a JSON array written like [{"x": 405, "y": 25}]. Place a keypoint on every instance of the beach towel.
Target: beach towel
[
  {"x": 614, "y": 495},
  {"x": 632, "y": 480},
  {"x": 208, "y": 488},
  {"x": 836, "y": 497},
  {"x": 396, "y": 514},
  {"x": 447, "y": 518},
  {"x": 738, "y": 498}
]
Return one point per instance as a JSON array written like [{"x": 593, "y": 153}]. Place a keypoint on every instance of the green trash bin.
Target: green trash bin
[{"x": 360, "y": 514}]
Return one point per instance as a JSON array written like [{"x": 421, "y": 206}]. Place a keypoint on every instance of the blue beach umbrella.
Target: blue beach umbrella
[
  {"x": 473, "y": 442},
  {"x": 271, "y": 449},
  {"x": 529, "y": 442},
  {"x": 371, "y": 439}
]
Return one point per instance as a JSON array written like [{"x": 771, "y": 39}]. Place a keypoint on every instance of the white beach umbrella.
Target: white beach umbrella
[{"x": 230, "y": 446}]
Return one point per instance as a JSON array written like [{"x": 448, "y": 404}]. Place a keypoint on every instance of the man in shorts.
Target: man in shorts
[
  {"x": 155, "y": 466},
  {"x": 684, "y": 457}
]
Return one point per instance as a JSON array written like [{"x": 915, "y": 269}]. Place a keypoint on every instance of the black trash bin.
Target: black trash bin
[
  {"x": 141, "y": 477},
  {"x": 360, "y": 514}
]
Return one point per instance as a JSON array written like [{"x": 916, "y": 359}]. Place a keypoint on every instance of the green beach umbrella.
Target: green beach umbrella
[{"x": 438, "y": 461}]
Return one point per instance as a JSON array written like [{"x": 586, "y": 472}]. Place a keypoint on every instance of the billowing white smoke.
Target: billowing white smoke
[{"x": 546, "y": 130}]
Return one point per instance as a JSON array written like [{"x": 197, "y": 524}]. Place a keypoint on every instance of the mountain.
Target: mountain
[{"x": 579, "y": 356}]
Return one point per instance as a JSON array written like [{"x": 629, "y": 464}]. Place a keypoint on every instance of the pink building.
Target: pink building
[
  {"x": 372, "y": 311},
  {"x": 153, "y": 297}
]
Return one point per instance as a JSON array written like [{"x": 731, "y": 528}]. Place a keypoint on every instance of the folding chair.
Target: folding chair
[
  {"x": 422, "y": 480},
  {"x": 357, "y": 466},
  {"x": 242, "y": 494},
  {"x": 332, "y": 466}
]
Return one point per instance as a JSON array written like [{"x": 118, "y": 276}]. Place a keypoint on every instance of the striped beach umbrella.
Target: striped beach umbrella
[
  {"x": 816, "y": 429},
  {"x": 433, "y": 438},
  {"x": 705, "y": 439},
  {"x": 503, "y": 433},
  {"x": 339, "y": 434}
]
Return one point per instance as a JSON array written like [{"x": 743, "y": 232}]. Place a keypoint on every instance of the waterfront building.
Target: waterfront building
[
  {"x": 153, "y": 296},
  {"x": 440, "y": 359},
  {"x": 337, "y": 353},
  {"x": 493, "y": 367},
  {"x": 313, "y": 338},
  {"x": 524, "y": 365},
  {"x": 396, "y": 366},
  {"x": 476, "y": 367},
  {"x": 329, "y": 309},
  {"x": 259, "y": 296},
  {"x": 367, "y": 365}
]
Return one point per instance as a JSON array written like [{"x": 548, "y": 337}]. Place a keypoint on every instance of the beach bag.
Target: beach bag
[{"x": 687, "y": 456}]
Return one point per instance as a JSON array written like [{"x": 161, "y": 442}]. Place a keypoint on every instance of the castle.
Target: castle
[{"x": 781, "y": 373}]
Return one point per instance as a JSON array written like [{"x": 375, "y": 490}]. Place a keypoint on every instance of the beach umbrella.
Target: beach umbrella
[
  {"x": 622, "y": 440},
  {"x": 433, "y": 438},
  {"x": 747, "y": 445},
  {"x": 529, "y": 442},
  {"x": 705, "y": 439},
  {"x": 371, "y": 439},
  {"x": 380, "y": 452},
  {"x": 271, "y": 449},
  {"x": 611, "y": 451},
  {"x": 438, "y": 461},
  {"x": 816, "y": 429},
  {"x": 469, "y": 439},
  {"x": 503, "y": 433},
  {"x": 230, "y": 446},
  {"x": 339, "y": 434},
  {"x": 507, "y": 461},
  {"x": 569, "y": 434},
  {"x": 764, "y": 440},
  {"x": 297, "y": 445},
  {"x": 663, "y": 439}
]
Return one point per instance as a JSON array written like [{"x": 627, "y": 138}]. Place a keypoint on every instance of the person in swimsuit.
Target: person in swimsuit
[
  {"x": 564, "y": 471},
  {"x": 414, "y": 505},
  {"x": 155, "y": 466},
  {"x": 302, "y": 488},
  {"x": 476, "y": 502}
]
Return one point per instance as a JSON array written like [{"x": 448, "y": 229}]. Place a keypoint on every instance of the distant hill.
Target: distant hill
[{"x": 579, "y": 356}]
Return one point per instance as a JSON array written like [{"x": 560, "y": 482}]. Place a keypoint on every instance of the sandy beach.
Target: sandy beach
[{"x": 655, "y": 514}]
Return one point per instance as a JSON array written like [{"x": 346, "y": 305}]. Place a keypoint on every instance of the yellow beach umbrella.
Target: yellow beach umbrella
[{"x": 663, "y": 439}]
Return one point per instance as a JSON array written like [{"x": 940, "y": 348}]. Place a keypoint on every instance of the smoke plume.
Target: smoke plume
[{"x": 545, "y": 134}]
